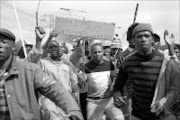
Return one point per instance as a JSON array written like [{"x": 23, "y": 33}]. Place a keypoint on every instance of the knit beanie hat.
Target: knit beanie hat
[{"x": 142, "y": 27}]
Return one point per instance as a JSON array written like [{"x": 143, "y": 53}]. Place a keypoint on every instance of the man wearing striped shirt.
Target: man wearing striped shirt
[
  {"x": 128, "y": 87},
  {"x": 153, "y": 78}
]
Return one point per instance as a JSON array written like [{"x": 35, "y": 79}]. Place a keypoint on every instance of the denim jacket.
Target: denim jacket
[{"x": 24, "y": 80}]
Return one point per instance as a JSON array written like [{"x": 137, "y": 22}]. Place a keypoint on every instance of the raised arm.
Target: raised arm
[{"x": 36, "y": 53}]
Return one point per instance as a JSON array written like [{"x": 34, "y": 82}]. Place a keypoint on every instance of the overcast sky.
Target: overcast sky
[{"x": 160, "y": 14}]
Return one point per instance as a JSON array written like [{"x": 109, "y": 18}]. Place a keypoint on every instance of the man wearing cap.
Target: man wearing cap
[
  {"x": 153, "y": 78},
  {"x": 19, "y": 83},
  {"x": 19, "y": 48},
  {"x": 122, "y": 56},
  {"x": 116, "y": 49},
  {"x": 156, "y": 42},
  {"x": 131, "y": 47}
]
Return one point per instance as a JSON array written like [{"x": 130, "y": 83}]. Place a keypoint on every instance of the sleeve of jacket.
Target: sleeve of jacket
[
  {"x": 120, "y": 80},
  {"x": 74, "y": 81},
  {"x": 54, "y": 91},
  {"x": 76, "y": 55},
  {"x": 34, "y": 56},
  {"x": 174, "y": 81}
]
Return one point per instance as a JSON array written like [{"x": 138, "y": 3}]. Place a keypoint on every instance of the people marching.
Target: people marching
[{"x": 92, "y": 81}]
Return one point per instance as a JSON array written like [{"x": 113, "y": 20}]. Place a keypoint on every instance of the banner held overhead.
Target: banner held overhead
[{"x": 84, "y": 28}]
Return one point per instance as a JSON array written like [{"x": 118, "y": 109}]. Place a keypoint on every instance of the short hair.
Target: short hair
[{"x": 96, "y": 44}]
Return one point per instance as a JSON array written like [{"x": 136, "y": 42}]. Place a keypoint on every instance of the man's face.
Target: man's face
[
  {"x": 131, "y": 44},
  {"x": 53, "y": 49},
  {"x": 107, "y": 52},
  {"x": 97, "y": 53},
  {"x": 6, "y": 48},
  {"x": 143, "y": 41},
  {"x": 28, "y": 48},
  {"x": 177, "y": 52},
  {"x": 156, "y": 45},
  {"x": 113, "y": 51}
]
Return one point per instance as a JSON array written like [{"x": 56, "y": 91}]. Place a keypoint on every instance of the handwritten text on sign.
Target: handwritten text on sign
[{"x": 76, "y": 27}]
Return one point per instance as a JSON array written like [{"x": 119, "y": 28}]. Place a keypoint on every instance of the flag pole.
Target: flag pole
[
  {"x": 37, "y": 13},
  {"x": 135, "y": 14},
  {"x": 21, "y": 35}
]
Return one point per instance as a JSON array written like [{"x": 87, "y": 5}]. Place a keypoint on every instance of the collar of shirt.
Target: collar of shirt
[
  {"x": 54, "y": 62},
  {"x": 130, "y": 49},
  {"x": 11, "y": 68}
]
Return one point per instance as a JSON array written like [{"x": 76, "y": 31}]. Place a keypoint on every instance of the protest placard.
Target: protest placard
[{"x": 84, "y": 28}]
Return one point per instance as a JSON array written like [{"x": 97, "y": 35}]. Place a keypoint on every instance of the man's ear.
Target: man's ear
[
  {"x": 152, "y": 41},
  {"x": 13, "y": 47},
  {"x": 48, "y": 50},
  {"x": 103, "y": 52},
  {"x": 133, "y": 40}
]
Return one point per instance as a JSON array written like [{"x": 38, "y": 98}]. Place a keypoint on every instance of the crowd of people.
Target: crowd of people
[{"x": 92, "y": 81}]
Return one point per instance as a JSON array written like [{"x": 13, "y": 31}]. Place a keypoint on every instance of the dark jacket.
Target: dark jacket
[{"x": 24, "y": 80}]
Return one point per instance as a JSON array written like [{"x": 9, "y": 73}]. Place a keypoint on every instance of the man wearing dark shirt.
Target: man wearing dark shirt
[
  {"x": 99, "y": 82},
  {"x": 153, "y": 78}
]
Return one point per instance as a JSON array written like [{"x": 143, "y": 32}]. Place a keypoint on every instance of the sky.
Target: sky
[{"x": 162, "y": 15}]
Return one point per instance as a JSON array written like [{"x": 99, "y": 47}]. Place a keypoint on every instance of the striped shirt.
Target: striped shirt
[
  {"x": 143, "y": 72},
  {"x": 121, "y": 58},
  {"x": 123, "y": 55},
  {"x": 4, "y": 110}
]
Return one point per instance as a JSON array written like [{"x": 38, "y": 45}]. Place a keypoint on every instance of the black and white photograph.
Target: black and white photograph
[{"x": 89, "y": 60}]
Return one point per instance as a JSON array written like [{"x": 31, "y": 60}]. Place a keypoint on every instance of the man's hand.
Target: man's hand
[
  {"x": 79, "y": 41},
  {"x": 75, "y": 115},
  {"x": 157, "y": 108},
  {"x": 40, "y": 33},
  {"x": 82, "y": 78},
  {"x": 119, "y": 100},
  {"x": 53, "y": 34},
  {"x": 169, "y": 39}
]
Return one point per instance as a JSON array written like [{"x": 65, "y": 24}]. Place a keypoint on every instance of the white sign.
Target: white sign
[{"x": 84, "y": 28}]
